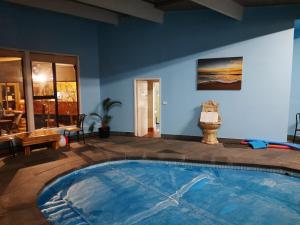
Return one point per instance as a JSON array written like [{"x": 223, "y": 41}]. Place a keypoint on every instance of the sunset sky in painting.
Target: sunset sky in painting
[{"x": 220, "y": 63}]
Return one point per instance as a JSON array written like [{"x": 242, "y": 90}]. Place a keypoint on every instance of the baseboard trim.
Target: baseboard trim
[
  {"x": 120, "y": 133},
  {"x": 230, "y": 140},
  {"x": 199, "y": 138},
  {"x": 179, "y": 137},
  {"x": 189, "y": 137}
]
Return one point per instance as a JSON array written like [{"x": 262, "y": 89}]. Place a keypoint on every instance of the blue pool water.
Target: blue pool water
[{"x": 152, "y": 192}]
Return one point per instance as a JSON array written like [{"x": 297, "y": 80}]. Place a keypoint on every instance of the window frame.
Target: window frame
[
  {"x": 54, "y": 59},
  {"x": 27, "y": 57},
  {"x": 18, "y": 53}
]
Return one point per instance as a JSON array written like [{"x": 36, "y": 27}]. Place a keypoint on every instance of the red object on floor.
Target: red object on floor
[
  {"x": 279, "y": 146},
  {"x": 270, "y": 146},
  {"x": 67, "y": 140}
]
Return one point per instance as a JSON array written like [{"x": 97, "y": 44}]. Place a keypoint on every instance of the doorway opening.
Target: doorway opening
[{"x": 147, "y": 108}]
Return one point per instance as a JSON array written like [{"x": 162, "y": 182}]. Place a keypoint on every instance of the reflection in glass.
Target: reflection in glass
[
  {"x": 44, "y": 113},
  {"x": 12, "y": 101},
  {"x": 42, "y": 79},
  {"x": 66, "y": 94}
]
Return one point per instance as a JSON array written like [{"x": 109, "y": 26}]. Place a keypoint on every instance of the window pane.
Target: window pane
[
  {"x": 42, "y": 79},
  {"x": 12, "y": 100},
  {"x": 66, "y": 94}
]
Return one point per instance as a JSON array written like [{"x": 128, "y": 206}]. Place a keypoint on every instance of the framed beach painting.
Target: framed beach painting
[{"x": 220, "y": 73}]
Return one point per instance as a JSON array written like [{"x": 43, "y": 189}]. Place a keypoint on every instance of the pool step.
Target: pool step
[{"x": 58, "y": 210}]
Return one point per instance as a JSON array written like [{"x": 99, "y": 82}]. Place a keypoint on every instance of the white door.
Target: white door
[{"x": 142, "y": 107}]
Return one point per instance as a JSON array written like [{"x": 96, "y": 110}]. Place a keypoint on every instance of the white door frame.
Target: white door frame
[{"x": 135, "y": 100}]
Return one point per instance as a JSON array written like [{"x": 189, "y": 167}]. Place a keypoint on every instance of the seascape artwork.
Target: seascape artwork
[{"x": 220, "y": 73}]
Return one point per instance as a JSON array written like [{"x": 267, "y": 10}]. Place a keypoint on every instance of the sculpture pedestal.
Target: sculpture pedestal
[{"x": 210, "y": 133}]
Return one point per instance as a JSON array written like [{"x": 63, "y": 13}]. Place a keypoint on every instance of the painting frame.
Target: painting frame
[{"x": 220, "y": 73}]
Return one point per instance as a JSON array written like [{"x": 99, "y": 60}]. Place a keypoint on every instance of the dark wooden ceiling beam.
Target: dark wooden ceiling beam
[
  {"x": 162, "y": 4},
  {"x": 71, "y": 8},
  {"x": 135, "y": 8}
]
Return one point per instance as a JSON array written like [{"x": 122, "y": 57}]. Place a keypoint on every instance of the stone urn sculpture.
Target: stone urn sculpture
[{"x": 210, "y": 122}]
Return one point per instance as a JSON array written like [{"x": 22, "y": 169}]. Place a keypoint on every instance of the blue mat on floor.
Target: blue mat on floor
[
  {"x": 291, "y": 145},
  {"x": 258, "y": 144}
]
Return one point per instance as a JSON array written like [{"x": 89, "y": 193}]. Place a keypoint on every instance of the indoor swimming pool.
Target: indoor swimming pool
[{"x": 157, "y": 192}]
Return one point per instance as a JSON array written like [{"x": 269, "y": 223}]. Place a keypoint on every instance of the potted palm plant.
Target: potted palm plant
[{"x": 104, "y": 130}]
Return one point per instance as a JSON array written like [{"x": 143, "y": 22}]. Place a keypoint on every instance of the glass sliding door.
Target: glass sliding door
[
  {"x": 12, "y": 98},
  {"x": 66, "y": 86},
  {"x": 37, "y": 90},
  {"x": 55, "y": 93}
]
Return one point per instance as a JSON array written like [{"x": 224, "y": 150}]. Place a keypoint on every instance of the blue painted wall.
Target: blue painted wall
[
  {"x": 32, "y": 29},
  {"x": 137, "y": 48},
  {"x": 295, "y": 90},
  {"x": 140, "y": 49},
  {"x": 297, "y": 28}
]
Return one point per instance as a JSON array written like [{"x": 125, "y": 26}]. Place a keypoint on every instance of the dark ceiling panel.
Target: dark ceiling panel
[
  {"x": 267, "y": 2},
  {"x": 169, "y": 5}
]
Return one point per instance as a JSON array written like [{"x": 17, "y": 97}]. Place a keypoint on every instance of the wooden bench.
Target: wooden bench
[{"x": 38, "y": 137}]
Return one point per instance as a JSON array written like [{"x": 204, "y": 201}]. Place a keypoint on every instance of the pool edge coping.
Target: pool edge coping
[{"x": 242, "y": 166}]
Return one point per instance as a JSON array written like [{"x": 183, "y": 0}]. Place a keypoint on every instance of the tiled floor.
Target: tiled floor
[{"x": 22, "y": 178}]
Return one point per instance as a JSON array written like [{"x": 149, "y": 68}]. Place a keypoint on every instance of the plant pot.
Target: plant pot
[{"x": 104, "y": 132}]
